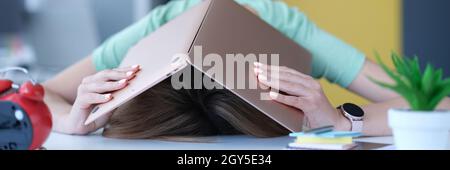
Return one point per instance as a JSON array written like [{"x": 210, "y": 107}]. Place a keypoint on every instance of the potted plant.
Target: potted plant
[{"x": 421, "y": 127}]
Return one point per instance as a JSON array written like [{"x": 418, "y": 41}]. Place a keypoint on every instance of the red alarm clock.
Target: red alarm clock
[{"x": 25, "y": 120}]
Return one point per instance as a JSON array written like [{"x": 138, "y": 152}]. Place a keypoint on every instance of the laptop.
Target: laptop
[{"x": 228, "y": 32}]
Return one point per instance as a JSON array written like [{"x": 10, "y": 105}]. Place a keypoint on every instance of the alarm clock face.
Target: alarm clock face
[{"x": 16, "y": 131}]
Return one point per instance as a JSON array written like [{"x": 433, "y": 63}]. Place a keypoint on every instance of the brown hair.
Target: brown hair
[{"x": 163, "y": 112}]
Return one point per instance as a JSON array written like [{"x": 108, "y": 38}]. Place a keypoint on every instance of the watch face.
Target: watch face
[{"x": 353, "y": 110}]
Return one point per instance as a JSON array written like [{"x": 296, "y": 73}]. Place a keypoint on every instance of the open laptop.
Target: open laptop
[{"x": 220, "y": 27}]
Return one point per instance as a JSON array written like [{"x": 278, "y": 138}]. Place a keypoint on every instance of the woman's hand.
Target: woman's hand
[
  {"x": 96, "y": 89},
  {"x": 302, "y": 92}
]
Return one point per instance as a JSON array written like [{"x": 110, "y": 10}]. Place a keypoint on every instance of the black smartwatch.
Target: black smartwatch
[{"x": 355, "y": 114}]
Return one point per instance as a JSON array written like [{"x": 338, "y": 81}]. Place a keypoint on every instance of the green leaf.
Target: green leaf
[
  {"x": 422, "y": 90},
  {"x": 438, "y": 75},
  {"x": 416, "y": 74},
  {"x": 435, "y": 101},
  {"x": 404, "y": 92},
  {"x": 428, "y": 81},
  {"x": 399, "y": 64},
  {"x": 391, "y": 74},
  {"x": 445, "y": 82}
]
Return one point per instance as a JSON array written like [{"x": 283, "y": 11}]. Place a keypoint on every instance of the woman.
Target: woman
[
  {"x": 165, "y": 113},
  {"x": 91, "y": 81}
]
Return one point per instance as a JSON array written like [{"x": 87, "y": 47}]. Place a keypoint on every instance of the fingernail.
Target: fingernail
[
  {"x": 130, "y": 73},
  {"x": 262, "y": 77},
  {"x": 108, "y": 96},
  {"x": 135, "y": 66},
  {"x": 122, "y": 81}
]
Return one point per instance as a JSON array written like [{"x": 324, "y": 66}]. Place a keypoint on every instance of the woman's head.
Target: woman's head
[{"x": 165, "y": 112}]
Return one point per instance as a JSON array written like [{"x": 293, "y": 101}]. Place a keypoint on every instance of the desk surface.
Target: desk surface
[{"x": 97, "y": 142}]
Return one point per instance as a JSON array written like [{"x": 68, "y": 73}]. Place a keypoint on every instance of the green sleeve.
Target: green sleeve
[
  {"x": 333, "y": 59},
  {"x": 110, "y": 54},
  {"x": 331, "y": 56}
]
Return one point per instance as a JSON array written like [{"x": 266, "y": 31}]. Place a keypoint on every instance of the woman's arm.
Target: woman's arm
[
  {"x": 363, "y": 86},
  {"x": 69, "y": 104},
  {"x": 306, "y": 94},
  {"x": 61, "y": 91},
  {"x": 375, "y": 119},
  {"x": 375, "y": 123},
  {"x": 72, "y": 93},
  {"x": 65, "y": 84}
]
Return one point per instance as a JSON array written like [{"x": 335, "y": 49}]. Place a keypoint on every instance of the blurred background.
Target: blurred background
[{"x": 46, "y": 36}]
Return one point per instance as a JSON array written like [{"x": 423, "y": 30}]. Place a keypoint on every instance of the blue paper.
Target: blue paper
[{"x": 332, "y": 134}]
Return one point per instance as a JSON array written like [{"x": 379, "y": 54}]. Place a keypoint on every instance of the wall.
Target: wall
[
  {"x": 62, "y": 32},
  {"x": 11, "y": 15},
  {"x": 112, "y": 16},
  {"x": 427, "y": 31},
  {"x": 368, "y": 25}
]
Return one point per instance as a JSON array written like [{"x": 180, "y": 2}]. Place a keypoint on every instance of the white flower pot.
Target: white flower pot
[{"x": 420, "y": 130}]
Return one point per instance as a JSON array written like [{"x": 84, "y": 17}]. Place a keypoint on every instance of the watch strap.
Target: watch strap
[{"x": 357, "y": 126}]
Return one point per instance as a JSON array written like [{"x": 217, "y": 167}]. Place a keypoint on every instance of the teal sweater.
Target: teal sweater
[{"x": 332, "y": 58}]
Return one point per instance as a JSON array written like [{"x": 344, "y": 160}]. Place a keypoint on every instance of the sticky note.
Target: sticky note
[
  {"x": 333, "y": 134},
  {"x": 320, "y": 140}
]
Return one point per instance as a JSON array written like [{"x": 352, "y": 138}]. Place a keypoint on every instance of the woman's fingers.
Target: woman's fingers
[
  {"x": 289, "y": 75},
  {"x": 113, "y": 75},
  {"x": 134, "y": 68},
  {"x": 287, "y": 100},
  {"x": 96, "y": 89},
  {"x": 93, "y": 88},
  {"x": 108, "y": 86},
  {"x": 285, "y": 86},
  {"x": 104, "y": 87},
  {"x": 285, "y": 76},
  {"x": 86, "y": 100},
  {"x": 108, "y": 75},
  {"x": 257, "y": 73},
  {"x": 280, "y": 69}
]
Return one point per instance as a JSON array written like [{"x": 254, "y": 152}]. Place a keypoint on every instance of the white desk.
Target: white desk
[{"x": 97, "y": 142}]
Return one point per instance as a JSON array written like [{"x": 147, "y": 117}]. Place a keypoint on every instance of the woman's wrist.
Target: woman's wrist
[
  {"x": 61, "y": 124},
  {"x": 342, "y": 123},
  {"x": 71, "y": 124}
]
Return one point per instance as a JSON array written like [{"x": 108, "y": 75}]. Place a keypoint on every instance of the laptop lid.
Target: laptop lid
[
  {"x": 238, "y": 36},
  {"x": 233, "y": 35},
  {"x": 156, "y": 55}
]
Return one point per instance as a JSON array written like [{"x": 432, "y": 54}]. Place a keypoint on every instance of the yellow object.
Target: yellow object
[
  {"x": 368, "y": 25},
  {"x": 319, "y": 140}
]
